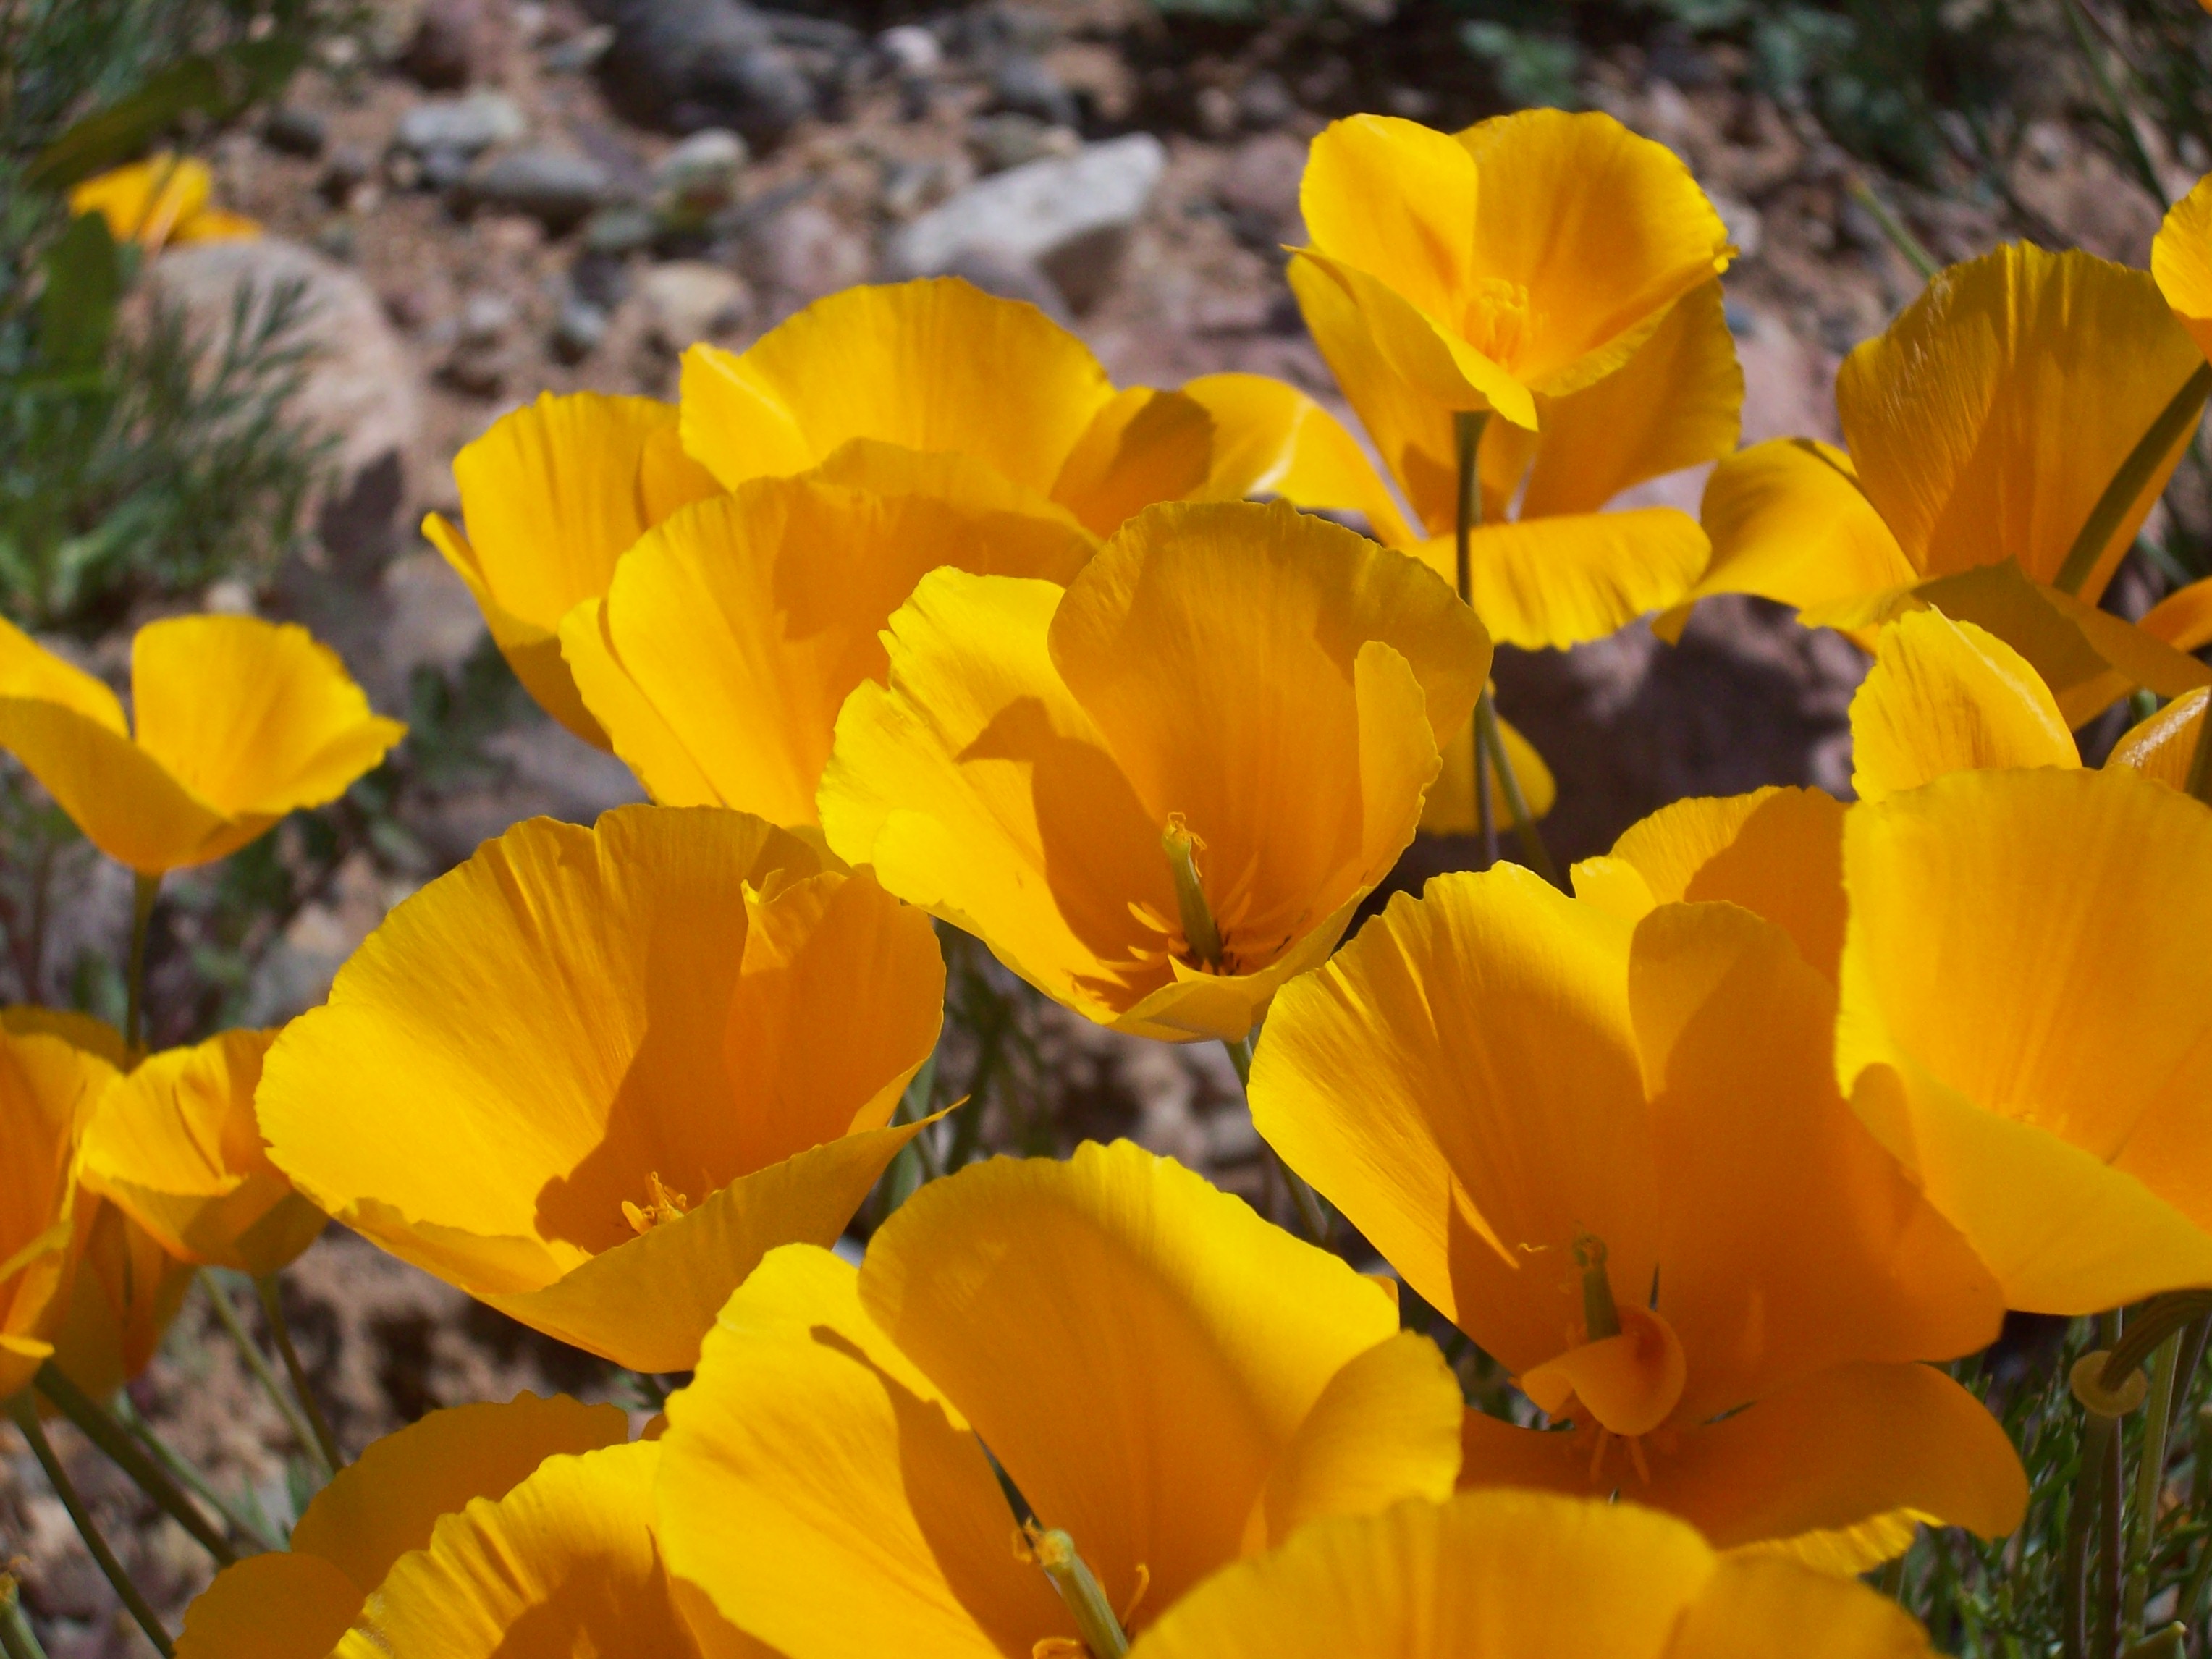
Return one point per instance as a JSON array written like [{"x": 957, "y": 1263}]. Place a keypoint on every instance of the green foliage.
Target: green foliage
[{"x": 136, "y": 461}]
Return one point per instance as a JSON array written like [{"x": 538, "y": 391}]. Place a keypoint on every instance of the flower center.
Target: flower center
[
  {"x": 1626, "y": 1374},
  {"x": 1497, "y": 320},
  {"x": 661, "y": 1204}
]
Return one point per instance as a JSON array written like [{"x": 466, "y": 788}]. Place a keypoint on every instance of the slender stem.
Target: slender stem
[
  {"x": 2113, "y": 1547},
  {"x": 1899, "y": 232},
  {"x": 2097, "y": 1431},
  {"x": 93, "y": 1422},
  {"x": 2116, "y": 108},
  {"x": 1533, "y": 850},
  {"x": 17, "y": 1639},
  {"x": 272, "y": 1304},
  {"x": 246, "y": 1526},
  {"x": 145, "y": 889},
  {"x": 2173, "y": 424},
  {"x": 1468, "y": 426},
  {"x": 25, "y": 1411},
  {"x": 1312, "y": 1219},
  {"x": 250, "y": 1351},
  {"x": 2150, "y": 1483}
]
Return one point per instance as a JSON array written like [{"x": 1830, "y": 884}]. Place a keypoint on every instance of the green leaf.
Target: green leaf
[
  {"x": 218, "y": 85},
  {"x": 84, "y": 284}
]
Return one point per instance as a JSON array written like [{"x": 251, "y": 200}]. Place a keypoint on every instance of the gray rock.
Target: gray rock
[
  {"x": 452, "y": 44},
  {"x": 361, "y": 382},
  {"x": 291, "y": 130},
  {"x": 910, "y": 49},
  {"x": 441, "y": 170},
  {"x": 684, "y": 64},
  {"x": 1024, "y": 84},
  {"x": 622, "y": 228},
  {"x": 558, "y": 190},
  {"x": 688, "y": 300},
  {"x": 1068, "y": 217},
  {"x": 699, "y": 177},
  {"x": 1009, "y": 139},
  {"x": 463, "y": 126},
  {"x": 580, "y": 52},
  {"x": 578, "y": 330}
]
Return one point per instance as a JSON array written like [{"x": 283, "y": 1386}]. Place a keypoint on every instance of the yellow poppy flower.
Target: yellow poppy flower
[
  {"x": 1164, "y": 1376},
  {"x": 125, "y": 1290},
  {"x": 592, "y": 1075},
  {"x": 1524, "y": 1573},
  {"x": 522, "y": 1530},
  {"x": 238, "y": 722},
  {"x": 48, "y": 1091},
  {"x": 939, "y": 366},
  {"x": 1613, "y": 1153},
  {"x": 1778, "y": 853},
  {"x": 1263, "y": 689},
  {"x": 165, "y": 198},
  {"x": 1562, "y": 271},
  {"x": 731, "y": 634},
  {"x": 176, "y": 1144},
  {"x": 551, "y": 497},
  {"x": 2026, "y": 1021},
  {"x": 1983, "y": 426}
]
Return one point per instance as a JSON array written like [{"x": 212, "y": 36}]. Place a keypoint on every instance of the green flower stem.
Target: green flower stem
[
  {"x": 1312, "y": 1219},
  {"x": 250, "y": 1351},
  {"x": 1900, "y": 235},
  {"x": 145, "y": 890},
  {"x": 2150, "y": 1483},
  {"x": 245, "y": 1526},
  {"x": 272, "y": 1304},
  {"x": 94, "y": 1423},
  {"x": 2173, "y": 424},
  {"x": 25, "y": 1411},
  {"x": 17, "y": 1639},
  {"x": 1079, "y": 1587},
  {"x": 1468, "y": 426},
  {"x": 1533, "y": 850}
]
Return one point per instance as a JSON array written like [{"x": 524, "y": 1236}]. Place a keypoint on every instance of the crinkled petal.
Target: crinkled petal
[
  {"x": 2023, "y": 967},
  {"x": 1271, "y": 440},
  {"x": 1576, "y": 577},
  {"x": 1120, "y": 1292},
  {"x": 818, "y": 1491},
  {"x": 564, "y": 1563},
  {"x": 1947, "y": 696},
  {"x": 1423, "y": 1129},
  {"x": 934, "y": 364},
  {"x": 1989, "y": 417}
]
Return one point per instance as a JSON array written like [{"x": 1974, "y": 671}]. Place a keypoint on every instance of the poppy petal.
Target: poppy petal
[
  {"x": 1138, "y": 1349},
  {"x": 1947, "y": 696},
  {"x": 2023, "y": 966},
  {"x": 810, "y": 1451},
  {"x": 1990, "y": 417},
  {"x": 932, "y": 365}
]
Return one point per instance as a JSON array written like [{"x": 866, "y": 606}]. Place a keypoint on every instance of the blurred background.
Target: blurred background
[{"x": 462, "y": 202}]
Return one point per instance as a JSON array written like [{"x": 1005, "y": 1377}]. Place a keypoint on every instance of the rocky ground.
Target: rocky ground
[{"x": 491, "y": 197}]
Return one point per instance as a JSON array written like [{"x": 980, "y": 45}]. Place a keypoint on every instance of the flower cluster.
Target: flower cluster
[{"x": 908, "y": 618}]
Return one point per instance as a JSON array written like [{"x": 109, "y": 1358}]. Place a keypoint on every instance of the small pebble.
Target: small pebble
[
  {"x": 291, "y": 130},
  {"x": 578, "y": 330}
]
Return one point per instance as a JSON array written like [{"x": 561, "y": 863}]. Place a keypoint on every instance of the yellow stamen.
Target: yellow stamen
[
  {"x": 661, "y": 1204},
  {"x": 1180, "y": 842}
]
